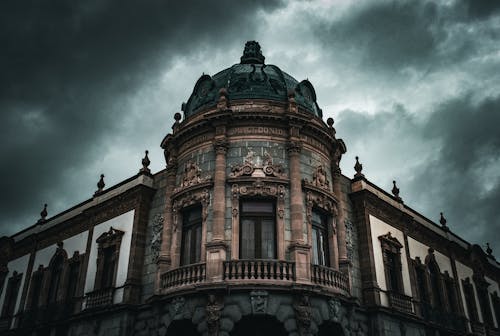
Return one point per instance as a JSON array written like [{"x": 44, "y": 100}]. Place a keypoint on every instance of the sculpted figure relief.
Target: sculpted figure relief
[{"x": 213, "y": 313}]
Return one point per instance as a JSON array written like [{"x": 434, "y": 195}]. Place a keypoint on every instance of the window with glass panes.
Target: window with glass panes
[
  {"x": 257, "y": 230},
  {"x": 191, "y": 235},
  {"x": 320, "y": 255}
]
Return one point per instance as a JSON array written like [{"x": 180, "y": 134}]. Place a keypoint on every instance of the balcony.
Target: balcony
[
  {"x": 255, "y": 269},
  {"x": 251, "y": 272},
  {"x": 400, "y": 302},
  {"x": 329, "y": 277},
  {"x": 100, "y": 298},
  {"x": 185, "y": 275},
  {"x": 442, "y": 318}
]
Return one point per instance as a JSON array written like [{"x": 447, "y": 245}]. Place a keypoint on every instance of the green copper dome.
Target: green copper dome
[{"x": 251, "y": 79}]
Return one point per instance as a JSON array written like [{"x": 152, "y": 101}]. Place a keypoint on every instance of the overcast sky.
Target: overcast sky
[{"x": 414, "y": 88}]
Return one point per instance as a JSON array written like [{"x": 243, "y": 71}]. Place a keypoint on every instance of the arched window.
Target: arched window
[{"x": 257, "y": 230}]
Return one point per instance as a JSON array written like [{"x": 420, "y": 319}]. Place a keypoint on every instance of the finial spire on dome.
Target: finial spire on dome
[{"x": 252, "y": 54}]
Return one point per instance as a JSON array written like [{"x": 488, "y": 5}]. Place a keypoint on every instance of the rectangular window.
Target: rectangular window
[
  {"x": 484, "y": 302},
  {"x": 470, "y": 301},
  {"x": 422, "y": 288},
  {"x": 108, "y": 270},
  {"x": 191, "y": 235},
  {"x": 74, "y": 272},
  {"x": 320, "y": 248},
  {"x": 36, "y": 286},
  {"x": 11, "y": 294},
  {"x": 258, "y": 230},
  {"x": 450, "y": 292},
  {"x": 392, "y": 269}
]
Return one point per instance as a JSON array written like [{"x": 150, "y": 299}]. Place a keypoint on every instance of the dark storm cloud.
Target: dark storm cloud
[
  {"x": 459, "y": 177},
  {"x": 388, "y": 36},
  {"x": 66, "y": 70}
]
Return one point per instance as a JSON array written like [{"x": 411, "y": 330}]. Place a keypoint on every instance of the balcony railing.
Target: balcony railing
[
  {"x": 100, "y": 298},
  {"x": 184, "y": 275},
  {"x": 253, "y": 269},
  {"x": 442, "y": 318},
  {"x": 326, "y": 276},
  {"x": 400, "y": 302}
]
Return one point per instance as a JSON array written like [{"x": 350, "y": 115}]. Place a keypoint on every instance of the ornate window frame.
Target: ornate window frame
[
  {"x": 419, "y": 267},
  {"x": 435, "y": 293},
  {"x": 259, "y": 188},
  {"x": 483, "y": 296},
  {"x": 59, "y": 255},
  {"x": 390, "y": 244},
  {"x": 110, "y": 238},
  {"x": 189, "y": 196},
  {"x": 320, "y": 198}
]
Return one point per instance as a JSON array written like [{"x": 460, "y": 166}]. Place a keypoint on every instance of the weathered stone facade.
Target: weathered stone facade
[{"x": 251, "y": 229}]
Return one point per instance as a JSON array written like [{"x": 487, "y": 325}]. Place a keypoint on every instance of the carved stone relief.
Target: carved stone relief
[
  {"x": 191, "y": 176},
  {"x": 213, "y": 313},
  {"x": 177, "y": 306},
  {"x": 256, "y": 166},
  {"x": 157, "y": 236},
  {"x": 303, "y": 315},
  {"x": 320, "y": 179},
  {"x": 335, "y": 308},
  {"x": 258, "y": 299}
]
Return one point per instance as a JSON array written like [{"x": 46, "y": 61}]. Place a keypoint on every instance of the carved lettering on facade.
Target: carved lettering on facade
[
  {"x": 195, "y": 141},
  {"x": 257, "y": 130}
]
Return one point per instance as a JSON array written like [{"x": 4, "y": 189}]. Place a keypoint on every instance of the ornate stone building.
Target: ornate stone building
[{"x": 250, "y": 230}]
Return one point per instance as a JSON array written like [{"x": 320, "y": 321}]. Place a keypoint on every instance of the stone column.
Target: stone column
[
  {"x": 341, "y": 234},
  {"x": 216, "y": 248},
  {"x": 299, "y": 249},
  {"x": 164, "y": 261}
]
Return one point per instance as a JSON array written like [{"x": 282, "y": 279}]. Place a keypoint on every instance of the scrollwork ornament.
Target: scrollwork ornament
[{"x": 157, "y": 236}]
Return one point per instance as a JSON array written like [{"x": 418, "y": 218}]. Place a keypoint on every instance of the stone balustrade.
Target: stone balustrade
[
  {"x": 248, "y": 269},
  {"x": 400, "y": 302},
  {"x": 99, "y": 298},
  {"x": 329, "y": 277},
  {"x": 184, "y": 275}
]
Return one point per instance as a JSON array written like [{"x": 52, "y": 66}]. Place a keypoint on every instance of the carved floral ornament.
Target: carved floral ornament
[
  {"x": 190, "y": 198},
  {"x": 157, "y": 236},
  {"x": 256, "y": 166}
]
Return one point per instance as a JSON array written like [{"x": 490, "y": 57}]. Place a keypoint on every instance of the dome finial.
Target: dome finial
[
  {"x": 100, "y": 185},
  {"x": 145, "y": 164},
  {"x": 395, "y": 192},
  {"x": 358, "y": 167},
  {"x": 252, "y": 54}
]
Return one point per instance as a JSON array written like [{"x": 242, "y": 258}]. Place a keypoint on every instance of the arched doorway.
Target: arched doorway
[
  {"x": 330, "y": 329},
  {"x": 182, "y": 328},
  {"x": 258, "y": 325}
]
